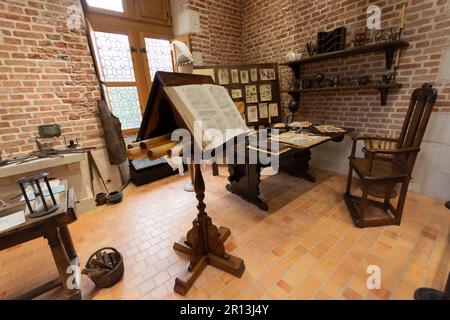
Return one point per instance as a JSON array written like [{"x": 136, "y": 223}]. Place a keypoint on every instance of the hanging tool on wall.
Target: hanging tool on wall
[{"x": 94, "y": 168}]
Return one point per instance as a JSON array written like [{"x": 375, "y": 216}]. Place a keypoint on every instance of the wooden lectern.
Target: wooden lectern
[{"x": 204, "y": 243}]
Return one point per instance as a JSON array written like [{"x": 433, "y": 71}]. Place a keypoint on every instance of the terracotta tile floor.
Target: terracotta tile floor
[{"x": 305, "y": 247}]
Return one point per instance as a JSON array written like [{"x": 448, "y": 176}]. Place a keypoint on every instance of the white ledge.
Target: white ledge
[{"x": 40, "y": 164}]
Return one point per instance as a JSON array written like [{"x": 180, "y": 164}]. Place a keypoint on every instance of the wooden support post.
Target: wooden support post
[{"x": 204, "y": 244}]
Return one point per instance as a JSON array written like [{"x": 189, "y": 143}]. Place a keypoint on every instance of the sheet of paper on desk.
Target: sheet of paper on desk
[
  {"x": 302, "y": 140},
  {"x": 12, "y": 220}
]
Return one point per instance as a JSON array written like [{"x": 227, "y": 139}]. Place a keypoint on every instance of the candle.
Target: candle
[
  {"x": 402, "y": 16},
  {"x": 402, "y": 26}
]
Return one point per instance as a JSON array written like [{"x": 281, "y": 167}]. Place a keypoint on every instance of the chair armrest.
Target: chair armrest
[
  {"x": 393, "y": 151},
  {"x": 365, "y": 138}
]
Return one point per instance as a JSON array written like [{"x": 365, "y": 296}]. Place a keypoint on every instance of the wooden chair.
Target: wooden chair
[{"x": 389, "y": 167}]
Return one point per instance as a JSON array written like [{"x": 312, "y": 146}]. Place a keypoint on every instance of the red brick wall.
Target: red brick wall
[
  {"x": 272, "y": 28},
  {"x": 46, "y": 74},
  {"x": 220, "y": 39}
]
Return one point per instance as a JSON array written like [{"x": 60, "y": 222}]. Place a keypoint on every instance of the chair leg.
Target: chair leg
[
  {"x": 387, "y": 197},
  {"x": 401, "y": 201},
  {"x": 363, "y": 205},
  {"x": 349, "y": 180}
]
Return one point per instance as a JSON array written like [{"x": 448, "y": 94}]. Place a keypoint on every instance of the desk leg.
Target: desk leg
[
  {"x": 62, "y": 263},
  {"x": 67, "y": 242},
  {"x": 298, "y": 165},
  {"x": 244, "y": 182}
]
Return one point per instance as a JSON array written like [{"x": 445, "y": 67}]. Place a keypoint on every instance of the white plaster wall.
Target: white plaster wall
[
  {"x": 431, "y": 175},
  {"x": 432, "y": 171},
  {"x": 184, "y": 20}
]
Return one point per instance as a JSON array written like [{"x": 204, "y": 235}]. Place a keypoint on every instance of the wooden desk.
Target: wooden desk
[
  {"x": 52, "y": 227},
  {"x": 245, "y": 178}
]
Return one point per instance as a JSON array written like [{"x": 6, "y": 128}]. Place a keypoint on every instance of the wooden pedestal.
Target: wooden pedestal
[{"x": 204, "y": 244}]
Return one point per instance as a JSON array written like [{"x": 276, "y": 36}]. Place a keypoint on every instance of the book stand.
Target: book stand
[{"x": 204, "y": 243}]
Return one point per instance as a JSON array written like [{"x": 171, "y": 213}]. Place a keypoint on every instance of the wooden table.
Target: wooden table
[
  {"x": 52, "y": 227},
  {"x": 245, "y": 178}
]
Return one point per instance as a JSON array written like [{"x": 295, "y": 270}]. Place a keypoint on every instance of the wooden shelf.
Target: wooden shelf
[
  {"x": 382, "y": 88},
  {"x": 388, "y": 47}
]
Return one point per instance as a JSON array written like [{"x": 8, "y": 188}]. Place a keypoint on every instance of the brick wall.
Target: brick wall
[
  {"x": 46, "y": 74},
  {"x": 220, "y": 39},
  {"x": 272, "y": 28}
]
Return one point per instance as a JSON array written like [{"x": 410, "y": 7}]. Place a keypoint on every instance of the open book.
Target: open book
[{"x": 213, "y": 107}]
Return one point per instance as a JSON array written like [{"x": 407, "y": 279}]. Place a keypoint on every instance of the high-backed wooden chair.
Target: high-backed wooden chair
[{"x": 388, "y": 167}]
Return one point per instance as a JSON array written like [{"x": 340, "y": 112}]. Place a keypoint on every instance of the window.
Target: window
[
  {"x": 129, "y": 48},
  {"x": 117, "y": 73},
  {"x": 159, "y": 55},
  {"x": 125, "y": 105},
  {"x": 113, "y": 5},
  {"x": 115, "y": 56}
]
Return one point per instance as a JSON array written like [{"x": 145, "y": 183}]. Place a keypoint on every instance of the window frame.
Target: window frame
[{"x": 102, "y": 20}]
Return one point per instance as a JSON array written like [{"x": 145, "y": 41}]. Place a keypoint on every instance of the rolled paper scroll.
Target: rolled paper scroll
[
  {"x": 161, "y": 151},
  {"x": 155, "y": 142},
  {"x": 136, "y": 153}
]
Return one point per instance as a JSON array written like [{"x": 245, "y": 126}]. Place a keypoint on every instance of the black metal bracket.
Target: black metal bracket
[
  {"x": 384, "y": 92},
  {"x": 390, "y": 53}
]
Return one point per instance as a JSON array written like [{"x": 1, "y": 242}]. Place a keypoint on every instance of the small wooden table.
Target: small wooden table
[{"x": 52, "y": 227}]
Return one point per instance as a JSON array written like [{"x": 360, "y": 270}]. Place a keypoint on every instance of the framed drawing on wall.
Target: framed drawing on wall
[
  {"x": 251, "y": 95},
  {"x": 240, "y": 105},
  {"x": 254, "y": 88},
  {"x": 252, "y": 114},
  {"x": 234, "y": 75},
  {"x": 254, "y": 75},
  {"x": 236, "y": 93},
  {"x": 223, "y": 76},
  {"x": 265, "y": 92},
  {"x": 273, "y": 109},
  {"x": 263, "y": 111},
  {"x": 244, "y": 76},
  {"x": 268, "y": 74}
]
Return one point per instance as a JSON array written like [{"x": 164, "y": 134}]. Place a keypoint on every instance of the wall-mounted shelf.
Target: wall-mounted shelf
[
  {"x": 389, "y": 48},
  {"x": 382, "y": 88}
]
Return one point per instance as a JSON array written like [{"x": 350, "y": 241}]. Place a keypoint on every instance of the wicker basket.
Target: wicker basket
[{"x": 105, "y": 267}]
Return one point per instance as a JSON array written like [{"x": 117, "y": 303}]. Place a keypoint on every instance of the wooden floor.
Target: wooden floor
[{"x": 305, "y": 247}]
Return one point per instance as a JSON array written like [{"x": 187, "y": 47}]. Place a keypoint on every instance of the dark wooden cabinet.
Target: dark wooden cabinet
[{"x": 155, "y": 11}]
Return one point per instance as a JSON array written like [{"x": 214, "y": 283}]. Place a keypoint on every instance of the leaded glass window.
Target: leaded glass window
[
  {"x": 159, "y": 55},
  {"x": 115, "y": 57},
  {"x": 125, "y": 106}
]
